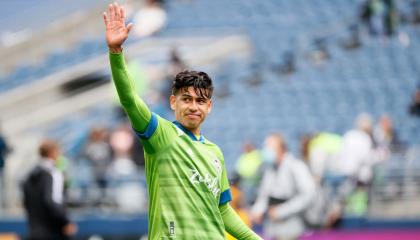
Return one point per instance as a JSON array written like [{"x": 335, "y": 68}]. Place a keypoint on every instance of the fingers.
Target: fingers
[
  {"x": 111, "y": 12},
  {"x": 129, "y": 27},
  {"x": 105, "y": 18},
  {"x": 122, "y": 13},
  {"x": 117, "y": 11}
]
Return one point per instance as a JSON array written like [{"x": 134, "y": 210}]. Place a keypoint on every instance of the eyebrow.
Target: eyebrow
[{"x": 189, "y": 95}]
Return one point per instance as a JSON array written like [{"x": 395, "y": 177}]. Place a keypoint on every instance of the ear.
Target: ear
[
  {"x": 210, "y": 106},
  {"x": 172, "y": 101}
]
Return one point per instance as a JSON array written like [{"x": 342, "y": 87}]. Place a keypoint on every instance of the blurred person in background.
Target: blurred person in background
[
  {"x": 318, "y": 152},
  {"x": 98, "y": 153},
  {"x": 356, "y": 155},
  {"x": 322, "y": 149},
  {"x": 137, "y": 153},
  {"x": 176, "y": 65},
  {"x": 415, "y": 14},
  {"x": 390, "y": 17},
  {"x": 286, "y": 191},
  {"x": 319, "y": 53},
  {"x": 373, "y": 12},
  {"x": 238, "y": 203},
  {"x": 288, "y": 63},
  {"x": 185, "y": 173},
  {"x": 128, "y": 194},
  {"x": 149, "y": 19},
  {"x": 385, "y": 136},
  {"x": 4, "y": 151},
  {"x": 414, "y": 107},
  {"x": 248, "y": 168},
  {"x": 43, "y": 197},
  {"x": 351, "y": 167},
  {"x": 122, "y": 142},
  {"x": 354, "y": 40}
]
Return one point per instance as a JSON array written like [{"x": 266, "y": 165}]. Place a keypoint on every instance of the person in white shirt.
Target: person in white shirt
[
  {"x": 357, "y": 152},
  {"x": 150, "y": 19},
  {"x": 286, "y": 191}
]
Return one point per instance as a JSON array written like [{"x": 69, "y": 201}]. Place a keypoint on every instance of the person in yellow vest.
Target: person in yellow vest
[{"x": 248, "y": 168}]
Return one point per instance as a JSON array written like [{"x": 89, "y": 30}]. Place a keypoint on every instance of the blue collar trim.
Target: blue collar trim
[{"x": 188, "y": 132}]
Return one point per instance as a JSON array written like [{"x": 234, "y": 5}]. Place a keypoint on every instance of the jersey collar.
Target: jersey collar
[{"x": 188, "y": 132}]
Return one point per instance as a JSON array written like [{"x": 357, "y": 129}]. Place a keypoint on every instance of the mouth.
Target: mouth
[{"x": 193, "y": 116}]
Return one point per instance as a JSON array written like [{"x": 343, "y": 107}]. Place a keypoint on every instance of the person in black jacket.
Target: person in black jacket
[
  {"x": 43, "y": 198},
  {"x": 4, "y": 151},
  {"x": 414, "y": 108}
]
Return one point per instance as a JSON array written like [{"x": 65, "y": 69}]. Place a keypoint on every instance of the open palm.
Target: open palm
[{"x": 116, "y": 30}]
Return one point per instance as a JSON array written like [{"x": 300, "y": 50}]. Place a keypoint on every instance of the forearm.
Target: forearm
[
  {"x": 235, "y": 226},
  {"x": 137, "y": 111},
  {"x": 293, "y": 207},
  {"x": 300, "y": 202}
]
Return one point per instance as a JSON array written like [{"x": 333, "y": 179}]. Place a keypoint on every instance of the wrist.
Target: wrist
[{"x": 115, "y": 50}]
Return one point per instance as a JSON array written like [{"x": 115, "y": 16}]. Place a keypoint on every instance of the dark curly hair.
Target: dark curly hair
[{"x": 200, "y": 81}]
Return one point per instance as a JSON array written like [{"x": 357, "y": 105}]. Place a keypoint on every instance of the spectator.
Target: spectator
[
  {"x": 248, "y": 166},
  {"x": 122, "y": 141},
  {"x": 320, "y": 53},
  {"x": 390, "y": 17},
  {"x": 415, "y": 104},
  {"x": 238, "y": 203},
  {"x": 4, "y": 151},
  {"x": 176, "y": 65},
  {"x": 149, "y": 19},
  {"x": 99, "y": 154},
  {"x": 318, "y": 151},
  {"x": 354, "y": 40},
  {"x": 288, "y": 63},
  {"x": 43, "y": 197},
  {"x": 415, "y": 6},
  {"x": 322, "y": 149},
  {"x": 129, "y": 195},
  {"x": 286, "y": 191},
  {"x": 373, "y": 12},
  {"x": 137, "y": 152},
  {"x": 356, "y": 155},
  {"x": 385, "y": 136}
]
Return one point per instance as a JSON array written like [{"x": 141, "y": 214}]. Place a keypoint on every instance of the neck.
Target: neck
[
  {"x": 280, "y": 157},
  {"x": 195, "y": 131}
]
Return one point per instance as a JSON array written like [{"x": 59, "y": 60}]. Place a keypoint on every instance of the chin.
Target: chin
[{"x": 191, "y": 125}]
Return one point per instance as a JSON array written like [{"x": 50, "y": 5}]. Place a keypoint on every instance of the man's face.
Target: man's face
[
  {"x": 190, "y": 109},
  {"x": 55, "y": 154},
  {"x": 276, "y": 145}
]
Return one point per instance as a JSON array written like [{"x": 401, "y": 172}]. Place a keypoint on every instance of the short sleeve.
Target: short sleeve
[{"x": 158, "y": 134}]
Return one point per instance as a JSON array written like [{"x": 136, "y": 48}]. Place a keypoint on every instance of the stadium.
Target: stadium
[{"x": 335, "y": 82}]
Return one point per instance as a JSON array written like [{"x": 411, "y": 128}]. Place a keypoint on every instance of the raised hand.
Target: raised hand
[{"x": 116, "y": 30}]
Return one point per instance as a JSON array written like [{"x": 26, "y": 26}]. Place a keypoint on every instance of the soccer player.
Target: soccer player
[{"x": 186, "y": 176}]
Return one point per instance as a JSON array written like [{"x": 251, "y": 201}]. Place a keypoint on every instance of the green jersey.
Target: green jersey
[
  {"x": 187, "y": 182},
  {"x": 185, "y": 174}
]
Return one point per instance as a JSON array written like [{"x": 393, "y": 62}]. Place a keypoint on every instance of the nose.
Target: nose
[{"x": 193, "y": 106}]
